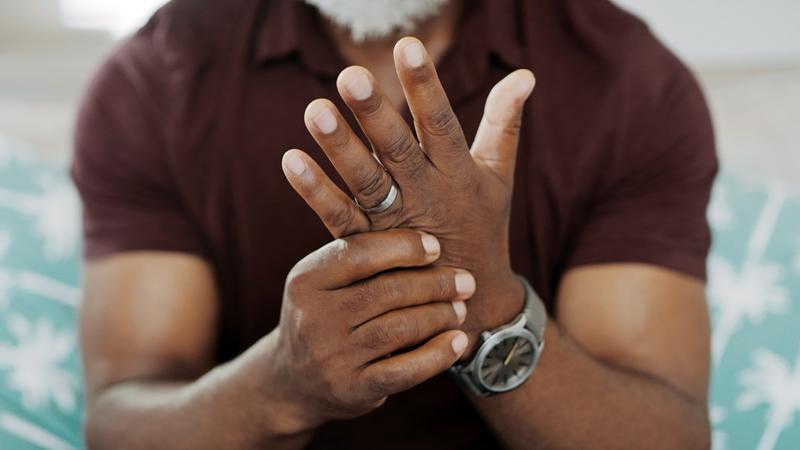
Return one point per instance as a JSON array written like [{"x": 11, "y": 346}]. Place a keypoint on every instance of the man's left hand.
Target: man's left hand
[{"x": 458, "y": 193}]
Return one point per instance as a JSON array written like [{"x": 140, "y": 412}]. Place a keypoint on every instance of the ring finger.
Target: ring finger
[{"x": 365, "y": 177}]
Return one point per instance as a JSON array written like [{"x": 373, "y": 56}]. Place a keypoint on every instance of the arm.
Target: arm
[
  {"x": 148, "y": 336},
  {"x": 147, "y": 356},
  {"x": 625, "y": 365}
]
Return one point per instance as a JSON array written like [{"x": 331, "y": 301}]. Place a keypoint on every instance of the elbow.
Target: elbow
[
  {"x": 698, "y": 431},
  {"x": 93, "y": 427},
  {"x": 703, "y": 434}
]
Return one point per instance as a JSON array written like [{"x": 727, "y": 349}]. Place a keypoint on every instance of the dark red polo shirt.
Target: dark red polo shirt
[{"x": 180, "y": 137}]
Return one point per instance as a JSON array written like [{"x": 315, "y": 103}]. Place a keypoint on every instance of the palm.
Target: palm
[{"x": 458, "y": 193}]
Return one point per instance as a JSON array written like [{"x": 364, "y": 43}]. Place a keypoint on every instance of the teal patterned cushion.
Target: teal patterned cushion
[
  {"x": 40, "y": 383},
  {"x": 754, "y": 293}
]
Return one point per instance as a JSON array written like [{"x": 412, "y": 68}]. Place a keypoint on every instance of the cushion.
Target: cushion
[
  {"x": 40, "y": 382},
  {"x": 754, "y": 288}
]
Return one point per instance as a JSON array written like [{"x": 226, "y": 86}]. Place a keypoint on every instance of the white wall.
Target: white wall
[{"x": 726, "y": 32}]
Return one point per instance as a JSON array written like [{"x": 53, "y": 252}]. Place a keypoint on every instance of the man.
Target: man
[{"x": 219, "y": 313}]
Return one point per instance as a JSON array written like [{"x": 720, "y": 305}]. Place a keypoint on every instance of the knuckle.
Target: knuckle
[
  {"x": 419, "y": 75},
  {"x": 304, "y": 334},
  {"x": 387, "y": 287},
  {"x": 404, "y": 329},
  {"x": 344, "y": 248},
  {"x": 373, "y": 182},
  {"x": 340, "y": 218},
  {"x": 402, "y": 150},
  {"x": 371, "y": 107},
  {"x": 381, "y": 383},
  {"x": 441, "y": 122},
  {"x": 410, "y": 248},
  {"x": 378, "y": 337},
  {"x": 295, "y": 280},
  {"x": 340, "y": 140},
  {"x": 444, "y": 286},
  {"x": 358, "y": 254},
  {"x": 358, "y": 299}
]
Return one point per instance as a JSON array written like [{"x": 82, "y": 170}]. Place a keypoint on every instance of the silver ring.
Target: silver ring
[{"x": 385, "y": 204}]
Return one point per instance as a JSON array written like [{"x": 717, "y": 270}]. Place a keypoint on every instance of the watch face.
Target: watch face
[{"x": 508, "y": 363}]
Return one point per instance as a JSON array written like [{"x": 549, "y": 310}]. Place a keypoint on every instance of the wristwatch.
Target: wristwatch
[{"x": 507, "y": 354}]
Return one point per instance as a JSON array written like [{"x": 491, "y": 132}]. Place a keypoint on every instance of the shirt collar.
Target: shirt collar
[{"x": 292, "y": 28}]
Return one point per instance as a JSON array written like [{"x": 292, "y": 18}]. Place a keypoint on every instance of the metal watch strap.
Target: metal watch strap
[
  {"x": 534, "y": 311},
  {"x": 535, "y": 321}
]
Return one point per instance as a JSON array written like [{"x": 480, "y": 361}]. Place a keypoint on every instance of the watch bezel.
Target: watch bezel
[{"x": 514, "y": 330}]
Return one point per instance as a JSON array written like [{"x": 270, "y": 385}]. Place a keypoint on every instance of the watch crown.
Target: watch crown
[{"x": 486, "y": 335}]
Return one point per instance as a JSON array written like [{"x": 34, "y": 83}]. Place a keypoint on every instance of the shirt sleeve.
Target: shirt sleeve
[
  {"x": 650, "y": 205},
  {"x": 120, "y": 165}
]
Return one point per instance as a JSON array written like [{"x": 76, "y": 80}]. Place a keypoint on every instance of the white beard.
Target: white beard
[{"x": 375, "y": 19}]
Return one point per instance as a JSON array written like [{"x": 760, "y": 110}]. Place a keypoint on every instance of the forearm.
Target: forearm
[
  {"x": 575, "y": 401},
  {"x": 225, "y": 408}
]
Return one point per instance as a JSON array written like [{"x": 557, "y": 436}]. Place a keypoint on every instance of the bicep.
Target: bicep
[
  {"x": 643, "y": 318},
  {"x": 147, "y": 314}
]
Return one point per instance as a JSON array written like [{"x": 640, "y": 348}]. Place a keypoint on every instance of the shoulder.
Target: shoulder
[
  {"x": 600, "y": 36},
  {"x": 602, "y": 67},
  {"x": 183, "y": 33}
]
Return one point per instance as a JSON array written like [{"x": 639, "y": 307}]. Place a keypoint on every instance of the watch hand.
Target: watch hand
[{"x": 511, "y": 353}]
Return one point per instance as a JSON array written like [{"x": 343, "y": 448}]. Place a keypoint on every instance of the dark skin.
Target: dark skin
[
  {"x": 658, "y": 399},
  {"x": 610, "y": 376},
  {"x": 344, "y": 310}
]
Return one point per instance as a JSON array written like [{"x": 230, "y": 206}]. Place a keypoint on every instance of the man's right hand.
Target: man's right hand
[
  {"x": 349, "y": 323},
  {"x": 148, "y": 332}
]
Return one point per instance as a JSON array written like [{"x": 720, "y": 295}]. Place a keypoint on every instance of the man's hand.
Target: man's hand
[
  {"x": 363, "y": 317},
  {"x": 460, "y": 194},
  {"x": 344, "y": 317}
]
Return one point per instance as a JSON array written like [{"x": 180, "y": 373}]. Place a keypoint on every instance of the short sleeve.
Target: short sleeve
[
  {"x": 119, "y": 163},
  {"x": 650, "y": 205}
]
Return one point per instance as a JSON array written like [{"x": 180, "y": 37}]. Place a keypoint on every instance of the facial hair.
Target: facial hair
[{"x": 376, "y": 19}]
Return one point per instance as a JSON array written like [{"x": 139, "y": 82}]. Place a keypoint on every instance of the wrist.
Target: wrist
[
  {"x": 503, "y": 299},
  {"x": 281, "y": 415}
]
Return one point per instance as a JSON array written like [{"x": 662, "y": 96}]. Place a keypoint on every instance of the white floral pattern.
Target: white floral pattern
[
  {"x": 751, "y": 293},
  {"x": 770, "y": 380},
  {"x": 54, "y": 213},
  {"x": 34, "y": 362},
  {"x": 40, "y": 383}
]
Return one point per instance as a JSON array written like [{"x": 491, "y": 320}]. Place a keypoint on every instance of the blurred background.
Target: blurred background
[{"x": 746, "y": 54}]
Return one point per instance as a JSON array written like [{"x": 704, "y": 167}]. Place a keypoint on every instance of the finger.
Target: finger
[
  {"x": 404, "y": 288},
  {"x": 365, "y": 177},
  {"x": 401, "y": 372},
  {"x": 390, "y": 136},
  {"x": 353, "y": 258},
  {"x": 437, "y": 127},
  {"x": 336, "y": 210},
  {"x": 403, "y": 328},
  {"x": 498, "y": 134}
]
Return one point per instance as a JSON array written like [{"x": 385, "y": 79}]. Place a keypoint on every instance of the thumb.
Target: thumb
[{"x": 498, "y": 134}]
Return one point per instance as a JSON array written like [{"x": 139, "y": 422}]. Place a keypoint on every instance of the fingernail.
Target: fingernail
[
  {"x": 413, "y": 54},
  {"x": 459, "y": 343},
  {"x": 324, "y": 120},
  {"x": 295, "y": 164},
  {"x": 430, "y": 244},
  {"x": 461, "y": 311},
  {"x": 526, "y": 83},
  {"x": 465, "y": 284},
  {"x": 358, "y": 85}
]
